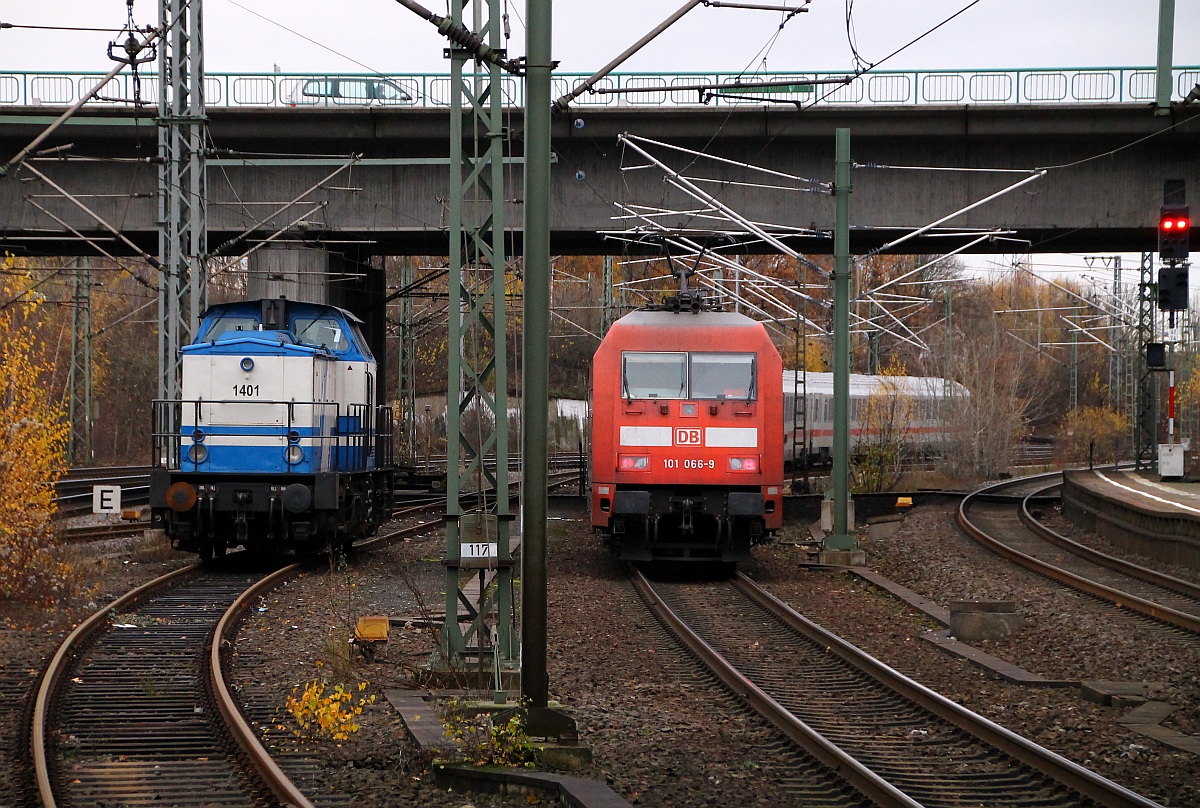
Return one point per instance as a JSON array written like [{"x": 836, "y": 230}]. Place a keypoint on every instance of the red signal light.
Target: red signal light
[{"x": 1174, "y": 224}]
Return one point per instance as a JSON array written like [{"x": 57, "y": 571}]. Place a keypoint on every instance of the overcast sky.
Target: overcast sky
[{"x": 381, "y": 35}]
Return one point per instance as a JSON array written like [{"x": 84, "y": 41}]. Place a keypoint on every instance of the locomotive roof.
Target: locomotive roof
[
  {"x": 862, "y": 385},
  {"x": 345, "y": 343},
  {"x": 687, "y": 319},
  {"x": 255, "y": 306}
]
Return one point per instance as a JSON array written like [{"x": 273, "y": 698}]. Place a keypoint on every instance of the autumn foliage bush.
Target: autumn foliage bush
[
  {"x": 1097, "y": 433},
  {"x": 33, "y": 439}
]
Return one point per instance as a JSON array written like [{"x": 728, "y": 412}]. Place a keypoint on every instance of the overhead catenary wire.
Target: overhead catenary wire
[
  {"x": 93, "y": 245},
  {"x": 943, "y": 168},
  {"x": 679, "y": 181},
  {"x": 1036, "y": 175},
  {"x": 4, "y": 25}
]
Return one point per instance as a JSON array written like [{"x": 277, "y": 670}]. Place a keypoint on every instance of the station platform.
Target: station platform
[{"x": 1137, "y": 511}]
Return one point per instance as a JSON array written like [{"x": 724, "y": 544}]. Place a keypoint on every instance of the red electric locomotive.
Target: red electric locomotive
[{"x": 687, "y": 452}]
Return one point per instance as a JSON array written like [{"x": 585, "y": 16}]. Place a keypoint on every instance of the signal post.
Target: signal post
[{"x": 1174, "y": 236}]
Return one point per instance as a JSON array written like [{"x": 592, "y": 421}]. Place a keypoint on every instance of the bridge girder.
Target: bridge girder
[{"x": 392, "y": 199}]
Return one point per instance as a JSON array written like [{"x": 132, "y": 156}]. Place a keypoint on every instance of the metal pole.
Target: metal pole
[
  {"x": 1074, "y": 370},
  {"x": 81, "y": 366},
  {"x": 407, "y": 388},
  {"x": 183, "y": 199},
  {"x": 606, "y": 295},
  {"x": 477, "y": 381},
  {"x": 842, "y": 537},
  {"x": 1166, "y": 43},
  {"x": 1146, "y": 395},
  {"x": 949, "y": 360},
  {"x": 534, "y": 684},
  {"x": 1171, "y": 406}
]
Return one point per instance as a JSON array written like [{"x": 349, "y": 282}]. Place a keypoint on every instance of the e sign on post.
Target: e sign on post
[{"x": 106, "y": 499}]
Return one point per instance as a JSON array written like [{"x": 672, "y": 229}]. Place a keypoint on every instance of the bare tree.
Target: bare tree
[{"x": 990, "y": 417}]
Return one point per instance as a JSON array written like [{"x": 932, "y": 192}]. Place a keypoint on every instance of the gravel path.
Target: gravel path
[{"x": 661, "y": 734}]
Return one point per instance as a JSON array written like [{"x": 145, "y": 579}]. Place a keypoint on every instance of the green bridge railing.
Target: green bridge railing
[{"x": 905, "y": 87}]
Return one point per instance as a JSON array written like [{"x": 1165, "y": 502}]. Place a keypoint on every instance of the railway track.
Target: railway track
[
  {"x": 893, "y": 740},
  {"x": 1001, "y": 518},
  {"x": 133, "y": 708}
]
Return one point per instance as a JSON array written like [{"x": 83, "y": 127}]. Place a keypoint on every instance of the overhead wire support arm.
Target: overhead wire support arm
[
  {"x": 466, "y": 39},
  {"x": 683, "y": 184},
  {"x": 20, "y": 156},
  {"x": 151, "y": 260},
  {"x": 1034, "y": 175},
  {"x": 791, "y": 11},
  {"x": 736, "y": 84},
  {"x": 814, "y": 186},
  {"x": 563, "y": 103}
]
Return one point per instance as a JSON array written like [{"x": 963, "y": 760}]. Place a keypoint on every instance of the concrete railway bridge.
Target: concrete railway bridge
[{"x": 366, "y": 180}]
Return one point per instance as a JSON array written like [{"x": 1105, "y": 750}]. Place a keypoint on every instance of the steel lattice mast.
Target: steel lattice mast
[
  {"x": 477, "y": 382},
  {"x": 183, "y": 221},
  {"x": 407, "y": 364},
  {"x": 1146, "y": 415},
  {"x": 81, "y": 365}
]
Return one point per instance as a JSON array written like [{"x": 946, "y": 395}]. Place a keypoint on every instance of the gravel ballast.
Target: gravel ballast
[{"x": 660, "y": 733}]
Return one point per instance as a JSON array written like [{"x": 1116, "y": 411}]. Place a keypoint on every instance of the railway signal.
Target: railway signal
[
  {"x": 1173, "y": 287},
  {"x": 1174, "y": 230}
]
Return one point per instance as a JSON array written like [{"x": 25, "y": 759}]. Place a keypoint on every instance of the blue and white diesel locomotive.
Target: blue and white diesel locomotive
[{"x": 276, "y": 443}]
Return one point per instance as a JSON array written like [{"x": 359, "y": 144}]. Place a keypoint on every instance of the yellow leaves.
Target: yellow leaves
[
  {"x": 327, "y": 716},
  {"x": 33, "y": 438},
  {"x": 1093, "y": 430},
  {"x": 483, "y": 739}
]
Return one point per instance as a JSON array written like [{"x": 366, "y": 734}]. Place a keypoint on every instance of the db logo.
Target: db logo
[{"x": 687, "y": 437}]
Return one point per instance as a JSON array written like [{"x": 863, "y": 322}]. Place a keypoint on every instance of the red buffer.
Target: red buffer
[{"x": 687, "y": 451}]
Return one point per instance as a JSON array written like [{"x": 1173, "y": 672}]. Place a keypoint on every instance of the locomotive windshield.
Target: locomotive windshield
[
  {"x": 326, "y": 331},
  {"x": 723, "y": 375},
  {"x": 706, "y": 376},
  {"x": 224, "y": 323},
  {"x": 654, "y": 375}
]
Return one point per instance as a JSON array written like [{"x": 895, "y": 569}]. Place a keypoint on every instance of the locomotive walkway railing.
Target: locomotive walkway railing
[{"x": 907, "y": 87}]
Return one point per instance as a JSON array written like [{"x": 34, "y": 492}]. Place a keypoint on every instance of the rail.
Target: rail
[
  {"x": 887, "y": 785},
  {"x": 1085, "y": 85},
  {"x": 59, "y": 665},
  {"x": 1122, "y": 599}
]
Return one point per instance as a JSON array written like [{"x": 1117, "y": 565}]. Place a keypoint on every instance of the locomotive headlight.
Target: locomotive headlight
[
  {"x": 198, "y": 453},
  {"x": 743, "y": 463},
  {"x": 247, "y": 364},
  {"x": 294, "y": 454},
  {"x": 633, "y": 462}
]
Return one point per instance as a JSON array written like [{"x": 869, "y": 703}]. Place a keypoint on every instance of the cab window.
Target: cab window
[
  {"x": 222, "y": 325},
  {"x": 325, "y": 331},
  {"x": 360, "y": 341},
  {"x": 717, "y": 376},
  {"x": 653, "y": 375}
]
